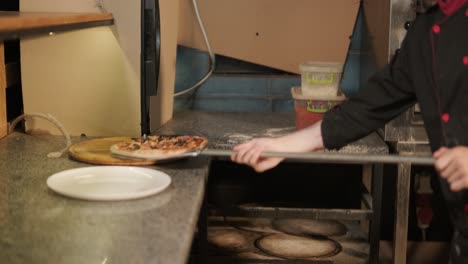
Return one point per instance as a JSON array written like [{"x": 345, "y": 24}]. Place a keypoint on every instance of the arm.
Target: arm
[{"x": 387, "y": 94}]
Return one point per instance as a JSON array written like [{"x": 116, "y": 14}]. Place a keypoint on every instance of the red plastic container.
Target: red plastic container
[{"x": 310, "y": 110}]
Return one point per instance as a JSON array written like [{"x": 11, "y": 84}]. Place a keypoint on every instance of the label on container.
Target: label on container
[
  {"x": 319, "y": 79},
  {"x": 320, "y": 106}
]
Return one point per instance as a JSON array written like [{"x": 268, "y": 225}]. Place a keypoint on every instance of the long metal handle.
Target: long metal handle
[{"x": 333, "y": 157}]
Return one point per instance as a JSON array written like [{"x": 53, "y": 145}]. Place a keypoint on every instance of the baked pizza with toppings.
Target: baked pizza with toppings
[{"x": 158, "y": 147}]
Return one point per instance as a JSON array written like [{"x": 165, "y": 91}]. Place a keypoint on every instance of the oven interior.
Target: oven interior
[
  {"x": 237, "y": 236},
  {"x": 296, "y": 186}
]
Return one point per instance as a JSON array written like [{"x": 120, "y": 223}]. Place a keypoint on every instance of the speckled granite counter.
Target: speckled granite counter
[{"x": 39, "y": 226}]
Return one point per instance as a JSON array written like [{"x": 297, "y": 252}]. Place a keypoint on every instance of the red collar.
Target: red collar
[{"x": 449, "y": 7}]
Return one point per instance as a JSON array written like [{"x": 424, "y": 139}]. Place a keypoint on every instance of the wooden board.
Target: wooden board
[
  {"x": 14, "y": 23},
  {"x": 277, "y": 33},
  {"x": 97, "y": 151}
]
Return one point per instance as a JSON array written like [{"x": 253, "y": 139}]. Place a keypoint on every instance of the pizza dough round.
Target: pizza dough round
[
  {"x": 232, "y": 239},
  {"x": 296, "y": 247},
  {"x": 143, "y": 154},
  {"x": 159, "y": 147},
  {"x": 258, "y": 225},
  {"x": 310, "y": 227},
  {"x": 256, "y": 256}
]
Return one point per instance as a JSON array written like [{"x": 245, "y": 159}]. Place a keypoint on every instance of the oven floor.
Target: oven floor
[{"x": 354, "y": 246}]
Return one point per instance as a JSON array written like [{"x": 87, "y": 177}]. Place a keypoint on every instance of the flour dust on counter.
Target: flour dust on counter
[{"x": 239, "y": 138}]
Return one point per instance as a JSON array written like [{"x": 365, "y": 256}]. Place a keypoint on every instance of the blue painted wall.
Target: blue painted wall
[{"x": 350, "y": 83}]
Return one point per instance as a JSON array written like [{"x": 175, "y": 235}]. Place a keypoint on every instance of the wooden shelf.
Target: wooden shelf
[{"x": 18, "y": 24}]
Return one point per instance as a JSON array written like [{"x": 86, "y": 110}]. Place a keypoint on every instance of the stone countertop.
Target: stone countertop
[
  {"x": 39, "y": 226},
  {"x": 225, "y": 130}
]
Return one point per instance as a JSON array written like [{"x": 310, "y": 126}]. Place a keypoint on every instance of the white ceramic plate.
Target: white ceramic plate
[{"x": 109, "y": 183}]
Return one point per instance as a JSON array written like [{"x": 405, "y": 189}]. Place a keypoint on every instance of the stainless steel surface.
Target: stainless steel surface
[
  {"x": 408, "y": 126},
  {"x": 413, "y": 147},
  {"x": 386, "y": 33},
  {"x": 256, "y": 210},
  {"x": 333, "y": 157},
  {"x": 385, "y": 22},
  {"x": 402, "y": 199},
  {"x": 166, "y": 158}
]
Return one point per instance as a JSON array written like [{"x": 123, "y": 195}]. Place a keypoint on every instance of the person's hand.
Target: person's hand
[
  {"x": 452, "y": 165},
  {"x": 249, "y": 153},
  {"x": 307, "y": 139}
]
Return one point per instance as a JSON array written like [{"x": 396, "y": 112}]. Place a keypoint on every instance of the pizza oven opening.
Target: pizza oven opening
[
  {"x": 269, "y": 217},
  {"x": 290, "y": 184}
]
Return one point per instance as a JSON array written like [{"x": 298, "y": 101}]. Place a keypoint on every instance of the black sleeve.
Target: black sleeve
[{"x": 387, "y": 94}]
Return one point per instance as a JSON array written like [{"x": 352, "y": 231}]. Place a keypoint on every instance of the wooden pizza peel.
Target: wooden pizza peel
[{"x": 97, "y": 151}]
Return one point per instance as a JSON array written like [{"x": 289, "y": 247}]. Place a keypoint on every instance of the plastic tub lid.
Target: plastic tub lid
[
  {"x": 321, "y": 66},
  {"x": 296, "y": 93}
]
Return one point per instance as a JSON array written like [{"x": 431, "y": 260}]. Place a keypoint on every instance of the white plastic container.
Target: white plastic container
[{"x": 320, "y": 78}]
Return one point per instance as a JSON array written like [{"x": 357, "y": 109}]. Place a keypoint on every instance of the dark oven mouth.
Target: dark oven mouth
[
  {"x": 294, "y": 185},
  {"x": 255, "y": 235}
]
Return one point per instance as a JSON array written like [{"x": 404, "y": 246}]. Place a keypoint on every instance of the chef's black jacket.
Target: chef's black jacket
[{"x": 430, "y": 69}]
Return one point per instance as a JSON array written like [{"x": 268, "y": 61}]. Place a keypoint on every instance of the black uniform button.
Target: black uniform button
[
  {"x": 445, "y": 117},
  {"x": 436, "y": 29}
]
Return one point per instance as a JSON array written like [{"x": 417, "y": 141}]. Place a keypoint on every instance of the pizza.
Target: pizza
[{"x": 159, "y": 147}]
